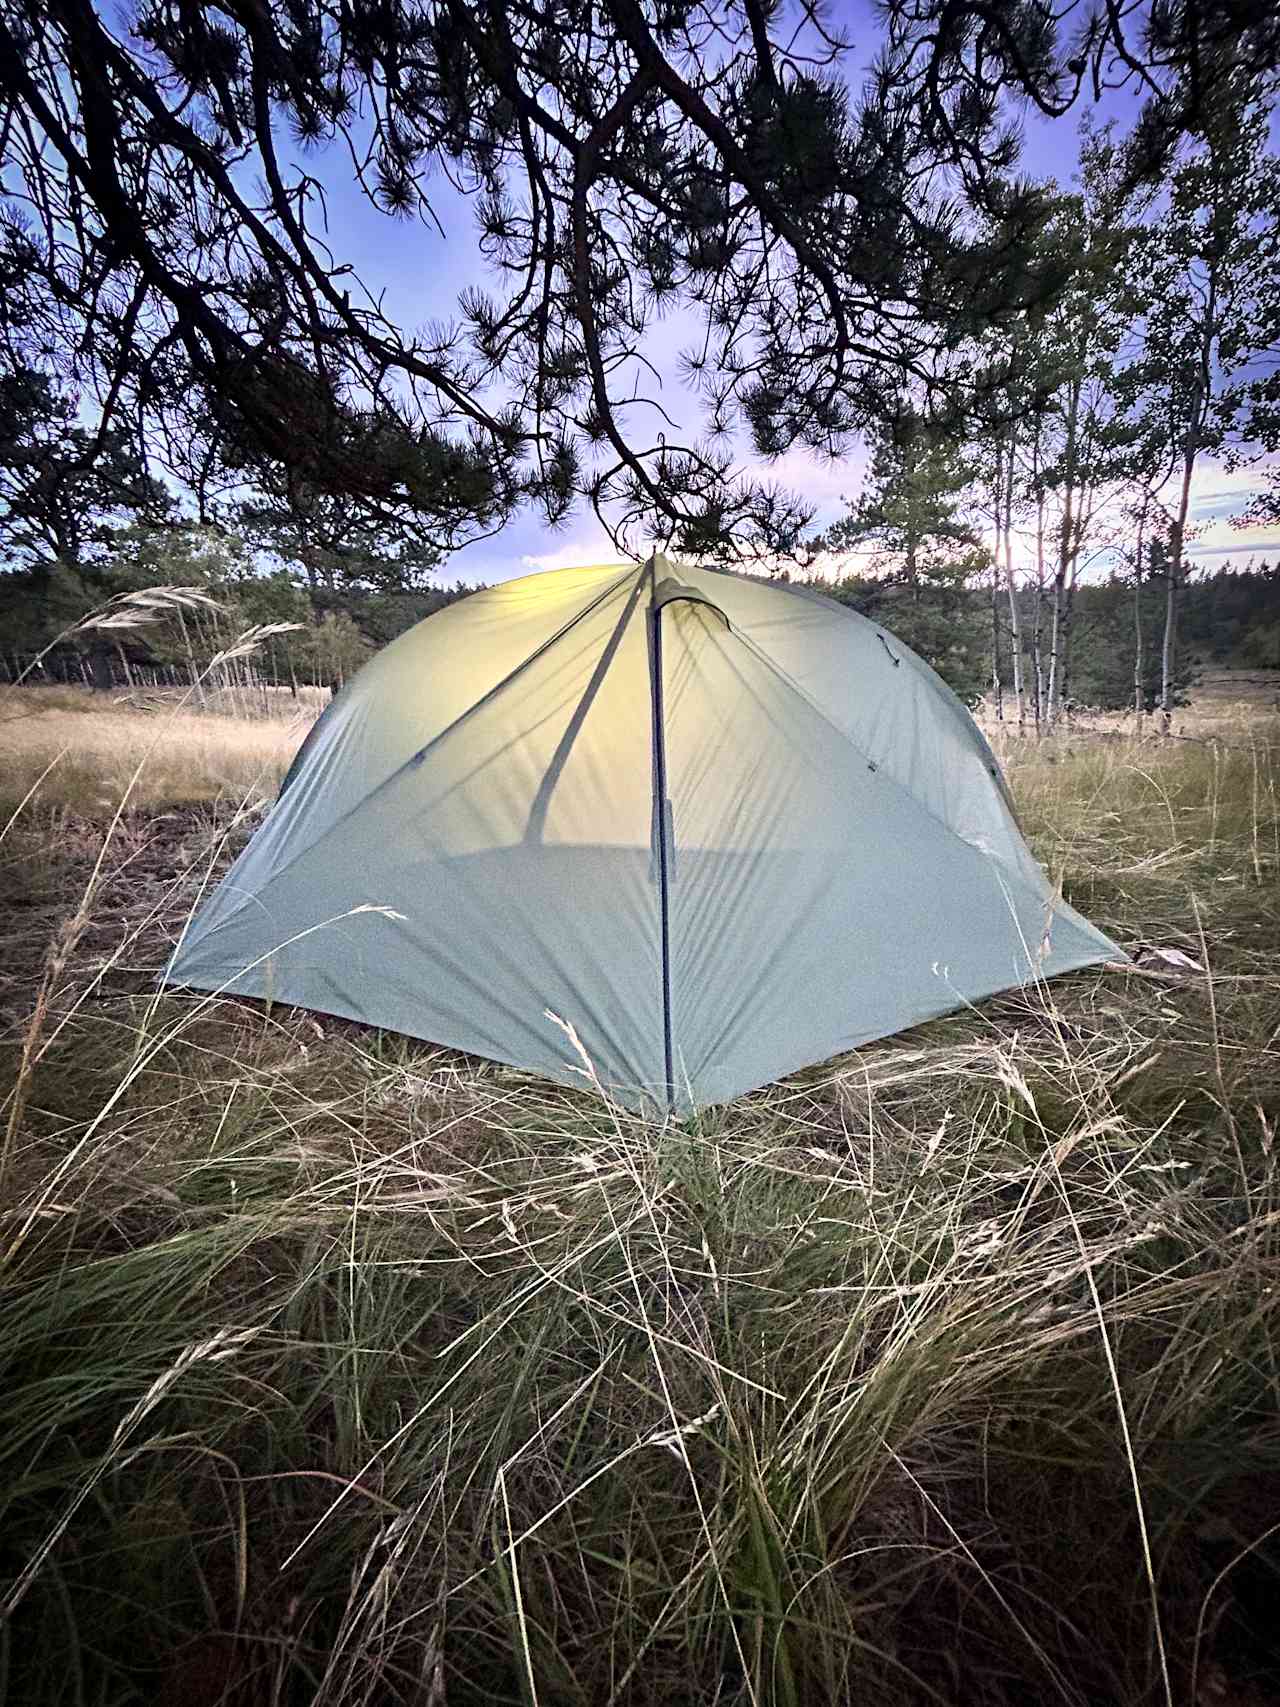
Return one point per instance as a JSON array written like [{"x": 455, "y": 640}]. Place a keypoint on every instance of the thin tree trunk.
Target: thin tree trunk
[
  {"x": 1037, "y": 629},
  {"x": 1178, "y": 532},
  {"x": 1068, "y": 628},
  {"x": 211, "y": 645},
  {"x": 1015, "y": 615},
  {"x": 1139, "y": 693},
  {"x": 1055, "y": 647},
  {"x": 1037, "y": 661},
  {"x": 1060, "y": 615},
  {"x": 997, "y": 687},
  {"x": 1015, "y": 642},
  {"x": 124, "y": 665},
  {"x": 197, "y": 688},
  {"x": 1083, "y": 517},
  {"x": 1174, "y": 578}
]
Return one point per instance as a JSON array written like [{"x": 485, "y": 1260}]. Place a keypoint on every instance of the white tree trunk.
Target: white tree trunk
[
  {"x": 1139, "y": 688},
  {"x": 1015, "y": 615},
  {"x": 1061, "y": 617},
  {"x": 1037, "y": 627},
  {"x": 1174, "y": 578}
]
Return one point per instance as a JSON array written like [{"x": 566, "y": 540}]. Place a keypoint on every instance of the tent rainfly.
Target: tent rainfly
[{"x": 723, "y": 826}]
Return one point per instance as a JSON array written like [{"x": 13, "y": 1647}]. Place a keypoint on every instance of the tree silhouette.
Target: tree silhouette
[
  {"x": 64, "y": 490},
  {"x": 167, "y": 233}
]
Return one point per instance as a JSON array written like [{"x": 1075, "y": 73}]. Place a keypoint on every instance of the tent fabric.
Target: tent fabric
[{"x": 723, "y": 826}]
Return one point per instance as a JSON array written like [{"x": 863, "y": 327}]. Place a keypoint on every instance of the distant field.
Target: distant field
[
  {"x": 339, "y": 1368},
  {"x": 1259, "y": 687},
  {"x": 84, "y": 750}
]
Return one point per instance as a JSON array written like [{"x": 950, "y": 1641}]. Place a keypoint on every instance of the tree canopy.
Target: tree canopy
[
  {"x": 167, "y": 237},
  {"x": 64, "y": 490}
]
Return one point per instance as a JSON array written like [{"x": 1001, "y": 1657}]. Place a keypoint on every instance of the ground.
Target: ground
[{"x": 342, "y": 1368}]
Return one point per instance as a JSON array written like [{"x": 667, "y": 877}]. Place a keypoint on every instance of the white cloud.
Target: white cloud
[
  {"x": 585, "y": 549},
  {"x": 1218, "y": 497},
  {"x": 525, "y": 547}
]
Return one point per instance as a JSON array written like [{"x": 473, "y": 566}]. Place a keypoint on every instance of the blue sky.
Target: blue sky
[{"x": 421, "y": 271}]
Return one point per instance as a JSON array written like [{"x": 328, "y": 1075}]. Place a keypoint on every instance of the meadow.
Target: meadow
[{"x": 339, "y": 1368}]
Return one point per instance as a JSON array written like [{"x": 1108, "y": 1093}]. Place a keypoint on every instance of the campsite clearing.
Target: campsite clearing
[{"x": 340, "y": 1367}]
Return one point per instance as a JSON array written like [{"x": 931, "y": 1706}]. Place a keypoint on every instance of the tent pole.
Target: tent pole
[{"x": 661, "y": 815}]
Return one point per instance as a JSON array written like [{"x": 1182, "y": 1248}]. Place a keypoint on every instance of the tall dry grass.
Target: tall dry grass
[
  {"x": 83, "y": 751},
  {"x": 341, "y": 1369}
]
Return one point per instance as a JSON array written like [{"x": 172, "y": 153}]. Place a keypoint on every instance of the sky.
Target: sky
[{"x": 421, "y": 271}]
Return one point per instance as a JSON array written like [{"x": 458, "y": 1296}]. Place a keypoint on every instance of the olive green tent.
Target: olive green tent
[{"x": 722, "y": 826}]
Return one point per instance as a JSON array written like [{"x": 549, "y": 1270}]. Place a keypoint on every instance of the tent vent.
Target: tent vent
[{"x": 670, "y": 592}]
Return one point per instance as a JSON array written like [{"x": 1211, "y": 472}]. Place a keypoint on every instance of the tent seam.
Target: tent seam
[{"x": 657, "y": 712}]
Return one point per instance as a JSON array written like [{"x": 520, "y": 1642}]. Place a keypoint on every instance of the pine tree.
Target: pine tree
[
  {"x": 65, "y": 492},
  {"x": 334, "y": 542},
  {"x": 912, "y": 513},
  {"x": 917, "y": 547}
]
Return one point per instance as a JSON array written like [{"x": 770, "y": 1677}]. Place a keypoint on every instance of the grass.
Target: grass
[
  {"x": 342, "y": 1369},
  {"x": 81, "y": 750}
]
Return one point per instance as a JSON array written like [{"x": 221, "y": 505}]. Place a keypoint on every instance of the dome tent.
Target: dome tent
[{"x": 724, "y": 826}]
